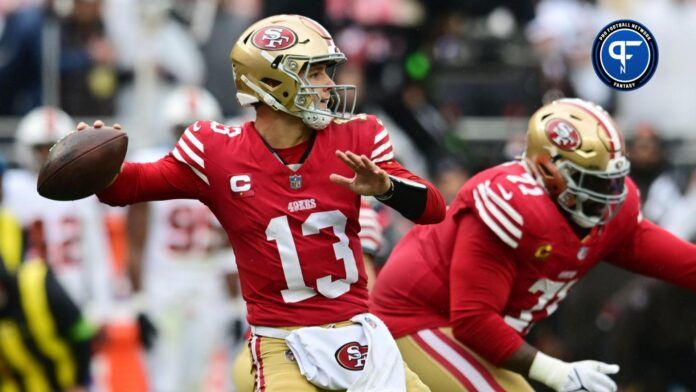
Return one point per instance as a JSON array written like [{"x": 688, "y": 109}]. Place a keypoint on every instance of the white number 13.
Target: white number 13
[{"x": 278, "y": 230}]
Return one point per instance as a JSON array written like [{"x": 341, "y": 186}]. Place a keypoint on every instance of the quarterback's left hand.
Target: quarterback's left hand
[{"x": 369, "y": 179}]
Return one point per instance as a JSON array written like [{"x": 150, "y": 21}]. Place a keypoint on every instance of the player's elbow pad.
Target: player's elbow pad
[{"x": 407, "y": 197}]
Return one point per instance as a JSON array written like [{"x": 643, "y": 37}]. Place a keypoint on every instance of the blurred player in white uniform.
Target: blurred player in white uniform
[
  {"x": 182, "y": 268},
  {"x": 70, "y": 236}
]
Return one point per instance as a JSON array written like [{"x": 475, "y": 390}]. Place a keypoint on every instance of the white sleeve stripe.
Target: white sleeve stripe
[
  {"x": 491, "y": 223},
  {"x": 384, "y": 157},
  {"x": 504, "y": 205},
  {"x": 499, "y": 216},
  {"x": 181, "y": 156},
  {"x": 200, "y": 175},
  {"x": 187, "y": 150},
  {"x": 381, "y": 135},
  {"x": 368, "y": 212},
  {"x": 370, "y": 233},
  {"x": 371, "y": 228},
  {"x": 197, "y": 143},
  {"x": 369, "y": 244},
  {"x": 382, "y": 148},
  {"x": 178, "y": 156},
  {"x": 368, "y": 223}
]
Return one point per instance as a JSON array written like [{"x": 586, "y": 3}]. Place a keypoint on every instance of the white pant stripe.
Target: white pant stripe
[{"x": 456, "y": 360}]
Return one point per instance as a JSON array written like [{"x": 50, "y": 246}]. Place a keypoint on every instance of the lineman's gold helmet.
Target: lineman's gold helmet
[
  {"x": 271, "y": 61},
  {"x": 578, "y": 152}
]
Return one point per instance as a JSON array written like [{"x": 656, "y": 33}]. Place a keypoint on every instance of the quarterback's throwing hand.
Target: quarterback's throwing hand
[
  {"x": 97, "y": 124},
  {"x": 369, "y": 179}
]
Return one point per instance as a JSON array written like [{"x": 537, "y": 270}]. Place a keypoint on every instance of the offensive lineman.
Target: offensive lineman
[
  {"x": 287, "y": 188},
  {"x": 460, "y": 296}
]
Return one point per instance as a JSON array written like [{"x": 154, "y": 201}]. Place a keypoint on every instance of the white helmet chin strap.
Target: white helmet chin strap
[
  {"x": 315, "y": 120},
  {"x": 584, "y": 221}
]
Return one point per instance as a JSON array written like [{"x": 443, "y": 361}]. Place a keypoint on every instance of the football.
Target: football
[{"x": 82, "y": 163}]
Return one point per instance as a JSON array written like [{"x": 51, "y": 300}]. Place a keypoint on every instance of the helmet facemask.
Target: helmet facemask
[{"x": 592, "y": 197}]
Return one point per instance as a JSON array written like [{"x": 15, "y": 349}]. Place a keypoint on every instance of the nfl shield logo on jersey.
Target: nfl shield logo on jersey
[
  {"x": 295, "y": 181},
  {"x": 582, "y": 252}
]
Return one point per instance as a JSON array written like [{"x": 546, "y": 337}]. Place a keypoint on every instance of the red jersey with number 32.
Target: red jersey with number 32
[
  {"x": 294, "y": 233},
  {"x": 514, "y": 217}
]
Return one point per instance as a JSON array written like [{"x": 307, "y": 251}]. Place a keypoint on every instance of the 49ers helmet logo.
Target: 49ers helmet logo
[
  {"x": 563, "y": 134},
  {"x": 352, "y": 356},
  {"x": 274, "y": 38}
]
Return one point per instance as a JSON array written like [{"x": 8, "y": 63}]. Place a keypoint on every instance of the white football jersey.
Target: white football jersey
[
  {"x": 187, "y": 248},
  {"x": 70, "y": 235}
]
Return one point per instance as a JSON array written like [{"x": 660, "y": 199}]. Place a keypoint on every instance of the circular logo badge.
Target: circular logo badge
[
  {"x": 274, "y": 38},
  {"x": 352, "y": 356},
  {"x": 563, "y": 134},
  {"x": 624, "y": 55}
]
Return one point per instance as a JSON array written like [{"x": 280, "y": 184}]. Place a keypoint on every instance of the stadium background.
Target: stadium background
[{"x": 453, "y": 80}]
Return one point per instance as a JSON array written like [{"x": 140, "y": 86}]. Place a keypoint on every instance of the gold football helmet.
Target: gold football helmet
[
  {"x": 271, "y": 61},
  {"x": 576, "y": 150}
]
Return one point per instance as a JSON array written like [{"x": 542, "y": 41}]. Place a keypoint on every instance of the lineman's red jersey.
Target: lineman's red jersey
[
  {"x": 505, "y": 257},
  {"x": 294, "y": 233}
]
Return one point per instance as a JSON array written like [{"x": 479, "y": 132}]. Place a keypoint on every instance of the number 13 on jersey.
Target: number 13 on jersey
[{"x": 278, "y": 230}]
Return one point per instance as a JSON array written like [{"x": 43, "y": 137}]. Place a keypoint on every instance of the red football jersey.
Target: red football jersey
[
  {"x": 506, "y": 256},
  {"x": 294, "y": 233}
]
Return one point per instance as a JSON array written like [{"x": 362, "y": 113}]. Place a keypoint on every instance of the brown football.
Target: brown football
[{"x": 82, "y": 163}]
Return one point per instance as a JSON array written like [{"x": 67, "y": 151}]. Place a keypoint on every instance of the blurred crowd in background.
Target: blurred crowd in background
[{"x": 453, "y": 81}]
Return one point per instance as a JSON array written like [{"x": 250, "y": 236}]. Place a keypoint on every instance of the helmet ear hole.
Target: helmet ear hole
[
  {"x": 271, "y": 83},
  {"x": 554, "y": 182}
]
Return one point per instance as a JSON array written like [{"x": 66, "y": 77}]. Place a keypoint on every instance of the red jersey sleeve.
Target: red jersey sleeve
[
  {"x": 161, "y": 180},
  {"x": 179, "y": 175},
  {"x": 481, "y": 277},
  {"x": 650, "y": 250},
  {"x": 653, "y": 251},
  {"x": 382, "y": 154}
]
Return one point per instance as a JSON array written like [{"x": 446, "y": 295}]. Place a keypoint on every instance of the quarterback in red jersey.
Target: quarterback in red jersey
[
  {"x": 460, "y": 296},
  {"x": 286, "y": 188}
]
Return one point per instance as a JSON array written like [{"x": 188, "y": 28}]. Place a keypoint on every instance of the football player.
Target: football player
[
  {"x": 461, "y": 296},
  {"x": 70, "y": 236},
  {"x": 286, "y": 188},
  {"x": 175, "y": 245}
]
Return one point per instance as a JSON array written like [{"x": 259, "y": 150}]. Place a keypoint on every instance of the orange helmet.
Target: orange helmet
[
  {"x": 578, "y": 153},
  {"x": 271, "y": 61}
]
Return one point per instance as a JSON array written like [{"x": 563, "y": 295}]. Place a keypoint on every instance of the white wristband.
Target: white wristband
[{"x": 550, "y": 371}]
